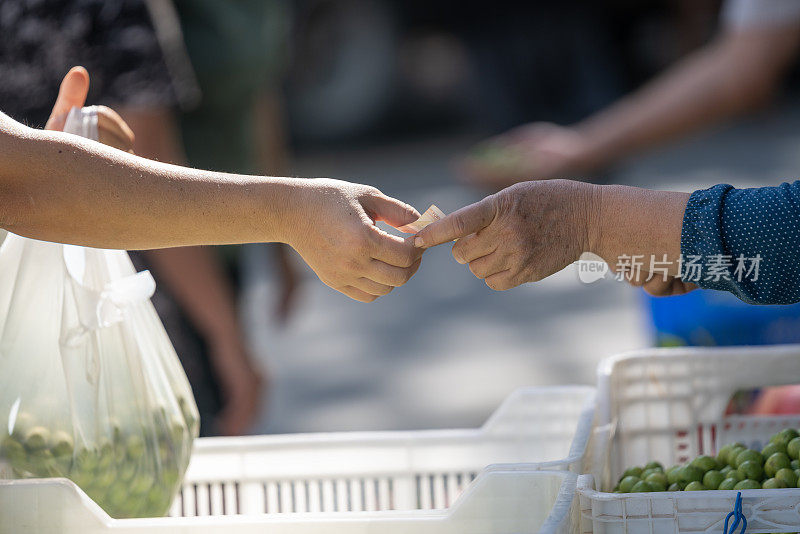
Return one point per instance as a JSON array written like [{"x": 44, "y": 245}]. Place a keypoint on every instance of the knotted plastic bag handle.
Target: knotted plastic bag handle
[
  {"x": 105, "y": 307},
  {"x": 83, "y": 122}
]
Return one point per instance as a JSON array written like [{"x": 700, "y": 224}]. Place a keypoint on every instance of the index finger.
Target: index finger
[{"x": 460, "y": 223}]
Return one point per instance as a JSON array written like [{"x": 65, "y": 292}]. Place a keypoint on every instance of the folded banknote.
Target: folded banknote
[{"x": 432, "y": 214}]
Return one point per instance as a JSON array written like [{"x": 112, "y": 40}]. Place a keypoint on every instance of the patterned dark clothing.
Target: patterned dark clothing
[
  {"x": 746, "y": 241},
  {"x": 114, "y": 39}
]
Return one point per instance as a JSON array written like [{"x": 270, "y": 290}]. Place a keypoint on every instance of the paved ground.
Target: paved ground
[{"x": 444, "y": 350}]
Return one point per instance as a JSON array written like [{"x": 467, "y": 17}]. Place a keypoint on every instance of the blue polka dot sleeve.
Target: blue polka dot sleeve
[{"x": 746, "y": 241}]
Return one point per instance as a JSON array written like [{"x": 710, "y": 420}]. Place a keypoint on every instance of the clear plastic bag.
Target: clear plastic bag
[{"x": 90, "y": 386}]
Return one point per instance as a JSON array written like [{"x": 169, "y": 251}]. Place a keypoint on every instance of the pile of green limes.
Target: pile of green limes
[
  {"x": 736, "y": 467},
  {"x": 133, "y": 471}
]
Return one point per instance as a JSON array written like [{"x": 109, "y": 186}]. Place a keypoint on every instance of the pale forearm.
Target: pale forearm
[{"x": 59, "y": 187}]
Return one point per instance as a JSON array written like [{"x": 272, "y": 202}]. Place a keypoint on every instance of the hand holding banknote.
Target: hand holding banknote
[
  {"x": 521, "y": 234},
  {"x": 338, "y": 238}
]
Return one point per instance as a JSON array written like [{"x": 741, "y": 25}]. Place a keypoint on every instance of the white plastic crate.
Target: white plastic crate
[
  {"x": 668, "y": 405},
  {"x": 439, "y": 481}
]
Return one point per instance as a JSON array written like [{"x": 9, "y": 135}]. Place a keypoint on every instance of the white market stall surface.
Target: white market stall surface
[{"x": 515, "y": 474}]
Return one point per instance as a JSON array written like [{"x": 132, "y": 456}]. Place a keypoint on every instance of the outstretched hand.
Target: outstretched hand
[
  {"x": 521, "y": 234},
  {"x": 536, "y": 151},
  {"x": 531, "y": 230},
  {"x": 339, "y": 240}
]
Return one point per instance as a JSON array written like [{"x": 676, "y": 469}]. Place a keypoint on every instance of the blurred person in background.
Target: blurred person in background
[
  {"x": 142, "y": 71},
  {"x": 738, "y": 72},
  {"x": 238, "y": 52}
]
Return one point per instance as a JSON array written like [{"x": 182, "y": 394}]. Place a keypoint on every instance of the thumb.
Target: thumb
[
  {"x": 390, "y": 210},
  {"x": 71, "y": 94},
  {"x": 458, "y": 224}
]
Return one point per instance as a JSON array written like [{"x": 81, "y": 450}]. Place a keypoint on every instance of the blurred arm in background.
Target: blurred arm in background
[{"x": 736, "y": 73}]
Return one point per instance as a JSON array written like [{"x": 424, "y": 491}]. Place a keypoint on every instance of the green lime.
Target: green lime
[
  {"x": 793, "y": 449},
  {"x": 704, "y": 463},
  {"x": 690, "y": 473},
  {"x": 647, "y": 472},
  {"x": 627, "y": 483},
  {"x": 673, "y": 474},
  {"x": 771, "y": 448},
  {"x": 158, "y": 496},
  {"x": 725, "y": 470},
  {"x": 775, "y": 463},
  {"x": 632, "y": 471},
  {"x": 135, "y": 447},
  {"x": 170, "y": 476},
  {"x": 642, "y": 487},
  {"x": 674, "y": 487},
  {"x": 36, "y": 438},
  {"x": 141, "y": 483},
  {"x": 654, "y": 465},
  {"x": 118, "y": 494},
  {"x": 794, "y": 465},
  {"x": 658, "y": 477},
  {"x": 773, "y": 483},
  {"x": 747, "y": 484},
  {"x": 658, "y": 481},
  {"x": 61, "y": 444},
  {"x": 728, "y": 484},
  {"x": 695, "y": 486},
  {"x": 788, "y": 476},
  {"x": 723, "y": 453},
  {"x": 42, "y": 462},
  {"x": 713, "y": 479},
  {"x": 86, "y": 459},
  {"x": 105, "y": 477},
  {"x": 784, "y": 436},
  {"x": 752, "y": 470},
  {"x": 13, "y": 449},
  {"x": 21, "y": 424},
  {"x": 735, "y": 474},
  {"x": 733, "y": 453},
  {"x": 127, "y": 471},
  {"x": 749, "y": 455}
]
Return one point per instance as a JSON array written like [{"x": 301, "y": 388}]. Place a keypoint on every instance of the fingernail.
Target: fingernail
[
  {"x": 418, "y": 242},
  {"x": 459, "y": 259}
]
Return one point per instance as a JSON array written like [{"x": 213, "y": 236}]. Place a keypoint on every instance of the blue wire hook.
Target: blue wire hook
[{"x": 737, "y": 515}]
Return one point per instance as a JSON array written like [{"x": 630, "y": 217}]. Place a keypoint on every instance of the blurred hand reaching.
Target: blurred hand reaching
[
  {"x": 242, "y": 385},
  {"x": 534, "y": 151}
]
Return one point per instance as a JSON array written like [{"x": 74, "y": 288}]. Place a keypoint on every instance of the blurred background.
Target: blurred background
[{"x": 396, "y": 94}]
